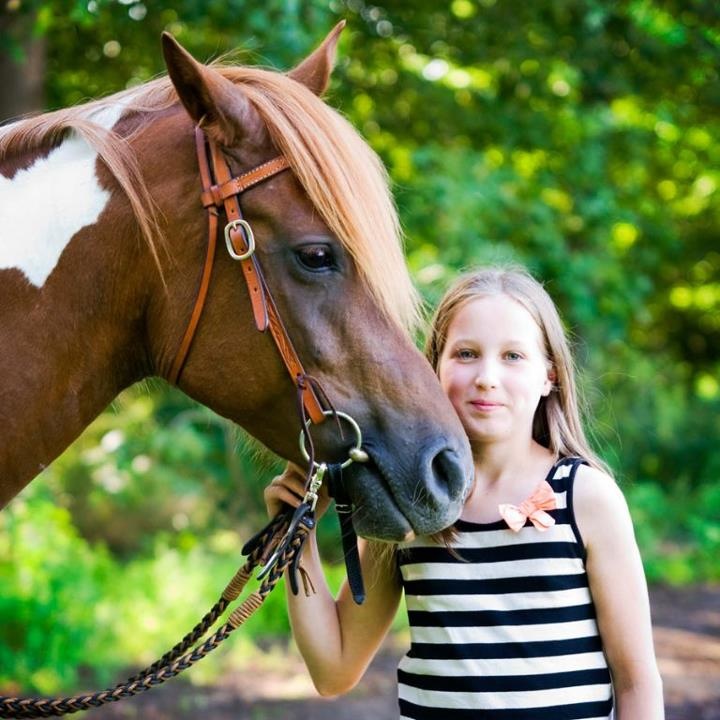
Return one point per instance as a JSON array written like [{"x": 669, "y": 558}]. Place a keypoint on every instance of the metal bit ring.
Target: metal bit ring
[{"x": 356, "y": 453}]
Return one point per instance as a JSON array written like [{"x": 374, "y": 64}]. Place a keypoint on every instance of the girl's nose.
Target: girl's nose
[{"x": 486, "y": 375}]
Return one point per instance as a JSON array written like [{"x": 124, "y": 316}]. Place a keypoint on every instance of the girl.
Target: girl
[{"x": 534, "y": 604}]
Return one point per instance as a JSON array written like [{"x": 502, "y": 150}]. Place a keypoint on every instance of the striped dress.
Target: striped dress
[{"x": 510, "y": 632}]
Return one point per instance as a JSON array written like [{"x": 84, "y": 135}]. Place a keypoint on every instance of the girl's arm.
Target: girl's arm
[
  {"x": 336, "y": 637},
  {"x": 619, "y": 591}
]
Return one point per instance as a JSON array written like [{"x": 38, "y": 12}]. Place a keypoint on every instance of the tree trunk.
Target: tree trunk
[{"x": 21, "y": 82}]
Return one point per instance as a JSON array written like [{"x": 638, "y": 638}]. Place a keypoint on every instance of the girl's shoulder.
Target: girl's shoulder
[
  {"x": 593, "y": 485},
  {"x": 598, "y": 503}
]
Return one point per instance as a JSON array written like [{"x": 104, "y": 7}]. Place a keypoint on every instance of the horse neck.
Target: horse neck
[{"x": 71, "y": 328}]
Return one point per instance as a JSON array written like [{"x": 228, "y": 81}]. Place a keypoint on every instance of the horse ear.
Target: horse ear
[
  {"x": 314, "y": 71},
  {"x": 210, "y": 99}
]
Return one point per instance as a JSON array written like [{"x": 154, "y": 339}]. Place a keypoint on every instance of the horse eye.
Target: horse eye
[{"x": 316, "y": 257}]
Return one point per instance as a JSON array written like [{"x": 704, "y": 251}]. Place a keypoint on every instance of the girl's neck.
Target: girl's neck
[
  {"x": 505, "y": 472},
  {"x": 504, "y": 464}
]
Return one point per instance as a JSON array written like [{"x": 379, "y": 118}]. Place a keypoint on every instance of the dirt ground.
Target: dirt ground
[{"x": 687, "y": 640}]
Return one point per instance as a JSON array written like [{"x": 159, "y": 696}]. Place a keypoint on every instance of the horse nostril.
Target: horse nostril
[
  {"x": 437, "y": 474},
  {"x": 443, "y": 477},
  {"x": 446, "y": 471},
  {"x": 441, "y": 483}
]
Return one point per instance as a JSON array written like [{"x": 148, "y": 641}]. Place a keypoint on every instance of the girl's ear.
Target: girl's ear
[{"x": 549, "y": 381}]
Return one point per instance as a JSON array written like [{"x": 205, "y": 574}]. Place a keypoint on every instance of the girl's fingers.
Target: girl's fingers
[
  {"x": 280, "y": 492},
  {"x": 294, "y": 484},
  {"x": 287, "y": 497},
  {"x": 286, "y": 489},
  {"x": 289, "y": 488}
]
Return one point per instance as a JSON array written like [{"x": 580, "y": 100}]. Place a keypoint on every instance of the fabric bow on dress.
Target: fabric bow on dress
[{"x": 534, "y": 507}]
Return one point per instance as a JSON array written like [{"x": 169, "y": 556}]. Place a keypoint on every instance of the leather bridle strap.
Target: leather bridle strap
[
  {"x": 224, "y": 193},
  {"x": 184, "y": 349}
]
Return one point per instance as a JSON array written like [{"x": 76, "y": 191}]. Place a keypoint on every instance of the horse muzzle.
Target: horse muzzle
[{"x": 392, "y": 502}]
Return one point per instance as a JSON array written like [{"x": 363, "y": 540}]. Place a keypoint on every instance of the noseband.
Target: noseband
[{"x": 220, "y": 190}]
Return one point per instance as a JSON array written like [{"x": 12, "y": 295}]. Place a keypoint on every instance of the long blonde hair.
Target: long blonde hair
[{"x": 557, "y": 424}]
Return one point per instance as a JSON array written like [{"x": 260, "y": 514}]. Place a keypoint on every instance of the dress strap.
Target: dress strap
[{"x": 569, "y": 485}]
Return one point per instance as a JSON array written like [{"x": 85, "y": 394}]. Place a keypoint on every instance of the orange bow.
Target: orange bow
[{"x": 542, "y": 499}]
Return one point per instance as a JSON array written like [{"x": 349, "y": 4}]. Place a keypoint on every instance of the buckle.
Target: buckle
[{"x": 247, "y": 234}]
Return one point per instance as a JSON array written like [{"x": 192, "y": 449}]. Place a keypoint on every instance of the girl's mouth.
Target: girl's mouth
[{"x": 485, "y": 405}]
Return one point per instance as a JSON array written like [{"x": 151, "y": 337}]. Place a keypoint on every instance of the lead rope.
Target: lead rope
[
  {"x": 338, "y": 492},
  {"x": 278, "y": 546}
]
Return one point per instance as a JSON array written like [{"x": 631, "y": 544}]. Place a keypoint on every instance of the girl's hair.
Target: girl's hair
[{"x": 557, "y": 424}]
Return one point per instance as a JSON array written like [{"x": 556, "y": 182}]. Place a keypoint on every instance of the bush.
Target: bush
[
  {"x": 677, "y": 531},
  {"x": 70, "y": 609}
]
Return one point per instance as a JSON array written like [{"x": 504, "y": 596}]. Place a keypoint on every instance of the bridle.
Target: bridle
[
  {"x": 224, "y": 193},
  {"x": 220, "y": 190},
  {"x": 277, "y": 548}
]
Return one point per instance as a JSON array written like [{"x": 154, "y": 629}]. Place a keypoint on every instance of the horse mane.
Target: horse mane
[{"x": 342, "y": 176}]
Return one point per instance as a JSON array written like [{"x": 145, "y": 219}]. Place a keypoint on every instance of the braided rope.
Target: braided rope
[
  {"x": 265, "y": 541},
  {"x": 174, "y": 662},
  {"x": 184, "y": 645}
]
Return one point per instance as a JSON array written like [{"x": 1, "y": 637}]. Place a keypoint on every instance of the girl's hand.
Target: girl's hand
[{"x": 289, "y": 489}]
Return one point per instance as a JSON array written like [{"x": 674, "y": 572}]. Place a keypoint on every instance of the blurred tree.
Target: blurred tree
[
  {"x": 101, "y": 46},
  {"x": 22, "y": 64}
]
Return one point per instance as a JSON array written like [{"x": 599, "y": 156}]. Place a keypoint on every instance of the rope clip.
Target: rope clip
[{"x": 311, "y": 496}]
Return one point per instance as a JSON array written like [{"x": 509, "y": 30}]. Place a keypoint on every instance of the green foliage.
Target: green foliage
[
  {"x": 50, "y": 600},
  {"x": 70, "y": 608},
  {"x": 575, "y": 136},
  {"x": 157, "y": 462},
  {"x": 678, "y": 532},
  {"x": 102, "y": 46}
]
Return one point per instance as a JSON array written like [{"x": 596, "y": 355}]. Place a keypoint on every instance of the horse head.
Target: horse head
[{"x": 328, "y": 245}]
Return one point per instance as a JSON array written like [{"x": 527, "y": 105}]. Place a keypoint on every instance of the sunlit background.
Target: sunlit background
[{"x": 575, "y": 136}]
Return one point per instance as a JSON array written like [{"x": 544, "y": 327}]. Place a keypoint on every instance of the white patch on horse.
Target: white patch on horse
[
  {"x": 106, "y": 115},
  {"x": 44, "y": 206}
]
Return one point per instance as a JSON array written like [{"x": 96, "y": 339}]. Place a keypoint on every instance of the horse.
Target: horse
[{"x": 103, "y": 240}]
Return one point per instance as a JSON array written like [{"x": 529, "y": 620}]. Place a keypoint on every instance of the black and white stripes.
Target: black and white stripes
[{"x": 507, "y": 631}]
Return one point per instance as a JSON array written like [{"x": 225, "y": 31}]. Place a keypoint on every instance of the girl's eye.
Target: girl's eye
[
  {"x": 465, "y": 354},
  {"x": 316, "y": 257},
  {"x": 513, "y": 355}
]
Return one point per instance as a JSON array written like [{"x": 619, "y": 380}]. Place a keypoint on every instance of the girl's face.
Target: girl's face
[{"x": 493, "y": 368}]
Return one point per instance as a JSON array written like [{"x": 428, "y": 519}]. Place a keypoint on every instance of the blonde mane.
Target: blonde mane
[{"x": 342, "y": 176}]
